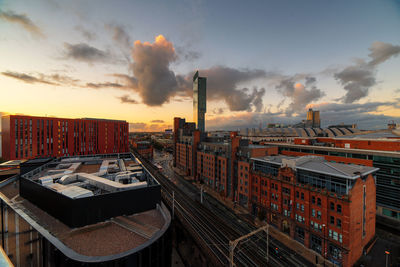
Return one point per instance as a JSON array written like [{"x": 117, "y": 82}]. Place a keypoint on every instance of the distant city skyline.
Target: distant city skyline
[{"x": 267, "y": 62}]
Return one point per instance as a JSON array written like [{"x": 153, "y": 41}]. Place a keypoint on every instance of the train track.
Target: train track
[{"x": 216, "y": 229}]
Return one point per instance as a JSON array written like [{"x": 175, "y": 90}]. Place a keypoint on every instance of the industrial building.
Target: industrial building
[
  {"x": 27, "y": 137},
  {"x": 100, "y": 210},
  {"x": 328, "y": 207}
]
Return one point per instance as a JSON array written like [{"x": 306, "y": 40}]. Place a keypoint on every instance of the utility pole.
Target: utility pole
[
  {"x": 201, "y": 194},
  {"x": 234, "y": 243},
  {"x": 173, "y": 204}
]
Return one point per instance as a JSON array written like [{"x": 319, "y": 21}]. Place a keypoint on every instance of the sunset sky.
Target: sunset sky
[{"x": 265, "y": 61}]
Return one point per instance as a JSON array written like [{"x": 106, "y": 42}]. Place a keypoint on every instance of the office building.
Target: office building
[
  {"x": 102, "y": 210},
  {"x": 199, "y": 101},
  {"x": 328, "y": 207},
  {"x": 26, "y": 137},
  {"x": 313, "y": 119}
]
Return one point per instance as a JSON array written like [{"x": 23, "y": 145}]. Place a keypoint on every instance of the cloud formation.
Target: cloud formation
[
  {"x": 86, "y": 53},
  {"x": 104, "y": 85},
  {"x": 22, "y": 20},
  {"x": 157, "y": 84},
  {"x": 299, "y": 94},
  {"x": 127, "y": 100},
  {"x": 52, "y": 79},
  {"x": 358, "y": 78},
  {"x": 26, "y": 77}
]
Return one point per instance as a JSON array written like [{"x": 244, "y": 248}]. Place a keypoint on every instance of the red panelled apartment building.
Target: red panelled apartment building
[{"x": 26, "y": 137}]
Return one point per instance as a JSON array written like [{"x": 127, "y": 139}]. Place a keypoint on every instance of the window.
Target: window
[
  {"x": 335, "y": 236},
  {"x": 286, "y": 190},
  {"x": 319, "y": 202},
  {"x": 302, "y": 196},
  {"x": 302, "y": 207},
  {"x": 340, "y": 238},
  {"x": 332, "y": 220},
  {"x": 332, "y": 206},
  {"x": 339, "y": 208},
  {"x": 297, "y": 194},
  {"x": 313, "y": 199},
  {"x": 297, "y": 206},
  {"x": 339, "y": 223},
  {"x": 313, "y": 212},
  {"x": 319, "y": 214}
]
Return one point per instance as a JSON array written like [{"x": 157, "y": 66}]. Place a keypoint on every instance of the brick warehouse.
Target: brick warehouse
[
  {"x": 388, "y": 162},
  {"x": 328, "y": 207},
  {"x": 214, "y": 159},
  {"x": 25, "y": 137}
]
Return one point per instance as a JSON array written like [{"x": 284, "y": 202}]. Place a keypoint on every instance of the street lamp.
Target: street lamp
[
  {"x": 323, "y": 246},
  {"x": 387, "y": 257}
]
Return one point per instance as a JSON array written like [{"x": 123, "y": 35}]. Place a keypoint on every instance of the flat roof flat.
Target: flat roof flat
[
  {"x": 107, "y": 240},
  {"x": 320, "y": 165},
  {"x": 393, "y": 154}
]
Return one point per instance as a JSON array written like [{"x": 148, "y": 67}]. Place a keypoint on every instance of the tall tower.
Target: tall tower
[{"x": 199, "y": 101}]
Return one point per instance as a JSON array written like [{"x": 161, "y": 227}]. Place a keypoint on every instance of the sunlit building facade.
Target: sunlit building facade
[{"x": 26, "y": 137}]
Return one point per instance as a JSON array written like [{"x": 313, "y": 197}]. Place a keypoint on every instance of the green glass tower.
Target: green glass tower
[{"x": 199, "y": 101}]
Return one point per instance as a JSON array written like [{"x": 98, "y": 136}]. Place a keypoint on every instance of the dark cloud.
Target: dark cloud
[
  {"x": 104, "y": 85},
  {"x": 52, "y": 79},
  {"x": 356, "y": 80},
  {"x": 127, "y": 100},
  {"x": 157, "y": 121},
  {"x": 22, "y": 20},
  {"x": 360, "y": 77},
  {"x": 223, "y": 83},
  {"x": 299, "y": 94},
  {"x": 380, "y": 52},
  {"x": 26, "y": 77},
  {"x": 86, "y": 53},
  {"x": 157, "y": 84},
  {"x": 89, "y": 35}
]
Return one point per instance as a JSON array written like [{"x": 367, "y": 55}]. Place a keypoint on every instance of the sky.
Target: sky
[{"x": 265, "y": 61}]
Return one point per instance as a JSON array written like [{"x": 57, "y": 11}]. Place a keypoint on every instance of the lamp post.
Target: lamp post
[
  {"x": 323, "y": 246},
  {"x": 387, "y": 253}
]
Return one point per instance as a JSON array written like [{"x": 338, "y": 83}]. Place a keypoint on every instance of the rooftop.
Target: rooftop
[
  {"x": 320, "y": 165},
  {"x": 386, "y": 134},
  {"x": 117, "y": 236}
]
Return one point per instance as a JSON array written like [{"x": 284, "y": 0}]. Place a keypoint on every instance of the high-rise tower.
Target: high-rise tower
[{"x": 199, "y": 101}]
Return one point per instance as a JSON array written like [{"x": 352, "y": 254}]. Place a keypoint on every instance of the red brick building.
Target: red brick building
[
  {"x": 388, "y": 144},
  {"x": 144, "y": 148},
  {"x": 328, "y": 207},
  {"x": 26, "y": 137}
]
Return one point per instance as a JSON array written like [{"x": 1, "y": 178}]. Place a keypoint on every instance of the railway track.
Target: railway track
[{"x": 216, "y": 229}]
